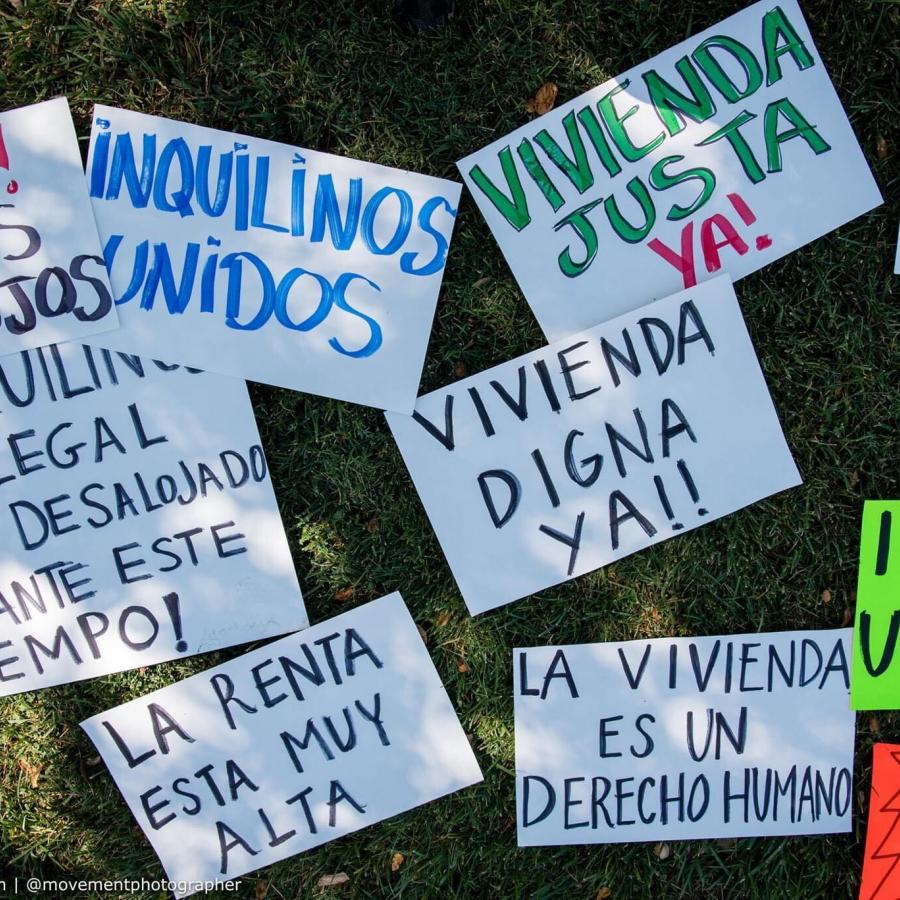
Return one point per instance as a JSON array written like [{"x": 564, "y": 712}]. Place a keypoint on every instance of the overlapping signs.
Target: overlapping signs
[
  {"x": 287, "y": 747},
  {"x": 139, "y": 519},
  {"x": 559, "y": 462},
  {"x": 272, "y": 263},
  {"x": 675, "y": 738},
  {"x": 721, "y": 153},
  {"x": 53, "y": 284}
]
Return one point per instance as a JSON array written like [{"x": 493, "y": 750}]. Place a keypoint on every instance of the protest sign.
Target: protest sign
[
  {"x": 721, "y": 153},
  {"x": 139, "y": 520},
  {"x": 881, "y": 861},
  {"x": 582, "y": 452},
  {"x": 650, "y": 740},
  {"x": 53, "y": 284},
  {"x": 273, "y": 263},
  {"x": 288, "y": 747},
  {"x": 876, "y": 663}
]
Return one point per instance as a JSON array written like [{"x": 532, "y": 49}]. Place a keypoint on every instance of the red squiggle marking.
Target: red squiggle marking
[{"x": 4, "y": 156}]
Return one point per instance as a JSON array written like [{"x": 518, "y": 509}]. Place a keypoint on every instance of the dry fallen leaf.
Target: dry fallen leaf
[
  {"x": 826, "y": 596},
  {"x": 462, "y": 665},
  {"x": 344, "y": 594},
  {"x": 604, "y": 892},
  {"x": 881, "y": 147},
  {"x": 662, "y": 851},
  {"x": 854, "y": 478},
  {"x": 423, "y": 634},
  {"x": 396, "y": 861},
  {"x": 372, "y": 526},
  {"x": 460, "y": 370},
  {"x": 874, "y": 726},
  {"x": 481, "y": 282},
  {"x": 542, "y": 102},
  {"x": 442, "y": 619},
  {"x": 31, "y": 770},
  {"x": 262, "y": 888},
  {"x": 333, "y": 880}
]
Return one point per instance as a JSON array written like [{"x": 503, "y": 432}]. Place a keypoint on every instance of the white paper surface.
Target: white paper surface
[
  {"x": 787, "y": 197},
  {"x": 144, "y": 488},
  {"x": 337, "y": 269},
  {"x": 379, "y": 698},
  {"x": 53, "y": 284},
  {"x": 727, "y": 443},
  {"x": 735, "y": 736}
]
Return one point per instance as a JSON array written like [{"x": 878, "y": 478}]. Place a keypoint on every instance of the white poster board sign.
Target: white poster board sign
[
  {"x": 673, "y": 738},
  {"x": 285, "y": 748},
  {"x": 565, "y": 459},
  {"x": 53, "y": 284},
  {"x": 139, "y": 520},
  {"x": 721, "y": 154},
  {"x": 288, "y": 266}
]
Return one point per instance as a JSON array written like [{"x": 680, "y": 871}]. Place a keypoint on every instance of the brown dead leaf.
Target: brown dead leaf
[
  {"x": 826, "y": 596},
  {"x": 662, "y": 852},
  {"x": 442, "y": 620},
  {"x": 31, "y": 770},
  {"x": 881, "y": 147},
  {"x": 854, "y": 478},
  {"x": 372, "y": 526},
  {"x": 335, "y": 880},
  {"x": 422, "y": 634},
  {"x": 727, "y": 843},
  {"x": 604, "y": 892},
  {"x": 542, "y": 102},
  {"x": 461, "y": 370},
  {"x": 262, "y": 888},
  {"x": 874, "y": 725},
  {"x": 481, "y": 282},
  {"x": 344, "y": 594},
  {"x": 462, "y": 665},
  {"x": 397, "y": 860}
]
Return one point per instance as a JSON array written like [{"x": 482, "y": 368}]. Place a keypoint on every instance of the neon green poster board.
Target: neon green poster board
[{"x": 875, "y": 681}]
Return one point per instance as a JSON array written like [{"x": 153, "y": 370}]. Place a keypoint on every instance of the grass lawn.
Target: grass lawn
[{"x": 343, "y": 77}]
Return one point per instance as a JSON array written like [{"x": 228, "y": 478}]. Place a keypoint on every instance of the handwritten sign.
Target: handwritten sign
[
  {"x": 876, "y": 661},
  {"x": 53, "y": 284},
  {"x": 567, "y": 458},
  {"x": 736, "y": 736},
  {"x": 293, "y": 745},
  {"x": 139, "y": 520},
  {"x": 273, "y": 263},
  {"x": 720, "y": 154},
  {"x": 881, "y": 862}
]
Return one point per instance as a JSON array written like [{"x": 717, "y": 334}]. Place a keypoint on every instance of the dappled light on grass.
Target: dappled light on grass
[{"x": 329, "y": 75}]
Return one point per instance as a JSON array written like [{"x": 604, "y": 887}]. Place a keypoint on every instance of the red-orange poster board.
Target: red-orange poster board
[{"x": 881, "y": 862}]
